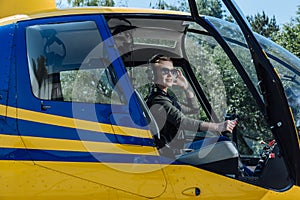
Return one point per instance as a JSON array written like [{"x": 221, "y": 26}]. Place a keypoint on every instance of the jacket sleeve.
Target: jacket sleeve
[
  {"x": 165, "y": 111},
  {"x": 191, "y": 107}
]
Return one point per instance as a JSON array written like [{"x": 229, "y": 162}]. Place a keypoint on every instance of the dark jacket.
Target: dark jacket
[{"x": 170, "y": 115}]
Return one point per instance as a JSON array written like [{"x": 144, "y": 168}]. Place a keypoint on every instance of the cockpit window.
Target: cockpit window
[
  {"x": 68, "y": 62},
  {"x": 226, "y": 91},
  {"x": 286, "y": 64}
]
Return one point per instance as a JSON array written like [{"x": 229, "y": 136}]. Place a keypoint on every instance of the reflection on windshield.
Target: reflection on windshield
[
  {"x": 225, "y": 89},
  {"x": 285, "y": 62}
]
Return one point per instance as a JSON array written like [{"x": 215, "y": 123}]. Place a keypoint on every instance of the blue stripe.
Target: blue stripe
[
  {"x": 69, "y": 156},
  {"x": 57, "y": 132}
]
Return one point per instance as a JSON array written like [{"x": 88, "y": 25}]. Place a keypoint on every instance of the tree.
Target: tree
[
  {"x": 59, "y": 3},
  {"x": 181, "y": 5},
  {"x": 289, "y": 36},
  {"x": 110, "y": 3},
  {"x": 261, "y": 24},
  {"x": 205, "y": 7},
  {"x": 210, "y": 8},
  {"x": 92, "y": 3}
]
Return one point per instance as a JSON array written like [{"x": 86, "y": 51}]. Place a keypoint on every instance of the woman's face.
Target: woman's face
[{"x": 165, "y": 74}]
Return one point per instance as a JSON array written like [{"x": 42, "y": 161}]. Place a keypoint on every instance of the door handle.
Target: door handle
[{"x": 193, "y": 191}]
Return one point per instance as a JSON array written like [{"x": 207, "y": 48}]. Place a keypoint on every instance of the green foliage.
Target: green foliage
[
  {"x": 205, "y": 7},
  {"x": 90, "y": 86},
  {"x": 180, "y": 5},
  {"x": 107, "y": 3},
  {"x": 79, "y": 3},
  {"x": 210, "y": 8},
  {"x": 289, "y": 36},
  {"x": 261, "y": 24},
  {"x": 225, "y": 89}
]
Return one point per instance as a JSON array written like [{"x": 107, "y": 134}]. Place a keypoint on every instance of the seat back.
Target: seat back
[{"x": 147, "y": 114}]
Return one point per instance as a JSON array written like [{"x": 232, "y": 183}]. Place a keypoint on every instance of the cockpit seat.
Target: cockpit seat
[{"x": 217, "y": 154}]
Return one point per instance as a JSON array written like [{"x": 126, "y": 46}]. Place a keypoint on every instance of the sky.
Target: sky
[{"x": 283, "y": 10}]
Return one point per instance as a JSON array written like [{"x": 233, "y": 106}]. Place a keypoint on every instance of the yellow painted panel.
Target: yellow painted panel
[
  {"x": 214, "y": 187},
  {"x": 140, "y": 179},
  {"x": 73, "y": 11},
  {"x": 11, "y": 141},
  {"x": 84, "y": 146},
  {"x": 13, "y": 7},
  {"x": 292, "y": 193},
  {"x": 12, "y": 112},
  {"x": 122, "y": 130},
  {"x": 56, "y": 120},
  {"x": 3, "y": 110},
  {"x": 26, "y": 181}
]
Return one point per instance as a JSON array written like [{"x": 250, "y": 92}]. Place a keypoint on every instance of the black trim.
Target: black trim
[
  {"x": 147, "y": 15},
  {"x": 277, "y": 109}
]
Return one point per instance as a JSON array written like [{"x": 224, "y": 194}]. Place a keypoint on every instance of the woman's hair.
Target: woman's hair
[
  {"x": 158, "y": 57},
  {"x": 155, "y": 60}
]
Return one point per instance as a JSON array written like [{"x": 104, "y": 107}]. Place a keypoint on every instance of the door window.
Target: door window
[
  {"x": 67, "y": 62},
  {"x": 228, "y": 95}
]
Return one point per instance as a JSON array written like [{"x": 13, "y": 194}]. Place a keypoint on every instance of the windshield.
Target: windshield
[
  {"x": 224, "y": 88},
  {"x": 286, "y": 64}
]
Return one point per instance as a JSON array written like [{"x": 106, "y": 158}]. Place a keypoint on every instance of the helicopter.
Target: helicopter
[{"x": 74, "y": 122}]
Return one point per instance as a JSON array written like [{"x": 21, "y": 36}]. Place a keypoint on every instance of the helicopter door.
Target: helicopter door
[
  {"x": 277, "y": 108},
  {"x": 275, "y": 104},
  {"x": 74, "y": 117}
]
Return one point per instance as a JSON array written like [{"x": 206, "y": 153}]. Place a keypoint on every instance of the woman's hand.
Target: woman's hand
[
  {"x": 181, "y": 80},
  {"x": 228, "y": 125}
]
